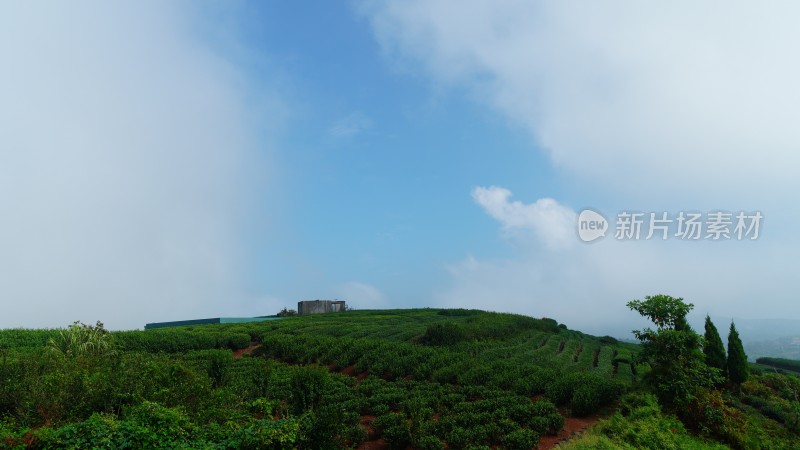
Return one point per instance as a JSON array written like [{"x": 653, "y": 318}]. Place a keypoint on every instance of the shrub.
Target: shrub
[
  {"x": 285, "y": 312},
  {"x": 639, "y": 404},
  {"x": 272, "y": 434},
  {"x": 521, "y": 439},
  {"x": 82, "y": 340},
  {"x": 548, "y": 325},
  {"x": 608, "y": 340},
  {"x": 325, "y": 428},
  {"x": 394, "y": 429},
  {"x": 585, "y": 400},
  {"x": 770, "y": 409},
  {"x": 709, "y": 414},
  {"x": 429, "y": 443},
  {"x": 150, "y": 425},
  {"x": 656, "y": 433},
  {"x": 447, "y": 333},
  {"x": 216, "y": 364},
  {"x": 307, "y": 387},
  {"x": 560, "y": 390},
  {"x": 98, "y": 431},
  {"x": 547, "y": 420}
]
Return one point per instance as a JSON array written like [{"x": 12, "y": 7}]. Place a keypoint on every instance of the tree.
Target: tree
[
  {"x": 678, "y": 371},
  {"x": 665, "y": 311},
  {"x": 713, "y": 348},
  {"x": 737, "y": 359},
  {"x": 285, "y": 312}
]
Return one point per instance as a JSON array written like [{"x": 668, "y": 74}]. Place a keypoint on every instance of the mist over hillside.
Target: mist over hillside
[{"x": 761, "y": 337}]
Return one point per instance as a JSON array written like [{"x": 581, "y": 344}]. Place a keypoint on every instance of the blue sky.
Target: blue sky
[
  {"x": 379, "y": 164},
  {"x": 166, "y": 161}
]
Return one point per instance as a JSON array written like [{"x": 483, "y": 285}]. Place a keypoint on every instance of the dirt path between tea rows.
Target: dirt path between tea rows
[{"x": 246, "y": 351}]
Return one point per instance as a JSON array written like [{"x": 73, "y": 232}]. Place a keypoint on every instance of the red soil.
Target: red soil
[
  {"x": 371, "y": 442},
  {"x": 246, "y": 351},
  {"x": 573, "y": 426},
  {"x": 349, "y": 371},
  {"x": 380, "y": 444}
]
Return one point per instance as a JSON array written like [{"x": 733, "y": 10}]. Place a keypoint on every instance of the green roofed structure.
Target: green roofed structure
[{"x": 181, "y": 323}]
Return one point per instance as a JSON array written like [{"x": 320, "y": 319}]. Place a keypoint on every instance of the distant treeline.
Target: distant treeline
[{"x": 781, "y": 363}]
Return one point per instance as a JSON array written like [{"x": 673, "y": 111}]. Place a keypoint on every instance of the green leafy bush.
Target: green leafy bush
[
  {"x": 395, "y": 429},
  {"x": 308, "y": 385},
  {"x": 429, "y": 443},
  {"x": 215, "y": 363},
  {"x": 150, "y": 425},
  {"x": 521, "y": 440},
  {"x": 260, "y": 434},
  {"x": 608, "y": 340},
  {"x": 585, "y": 400},
  {"x": 560, "y": 390},
  {"x": 446, "y": 333}
]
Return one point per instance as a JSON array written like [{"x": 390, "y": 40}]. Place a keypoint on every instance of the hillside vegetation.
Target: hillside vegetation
[
  {"x": 791, "y": 365},
  {"x": 423, "y": 378},
  {"x": 419, "y": 378}
]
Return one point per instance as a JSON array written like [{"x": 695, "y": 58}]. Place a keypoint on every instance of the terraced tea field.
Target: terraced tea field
[{"x": 423, "y": 378}]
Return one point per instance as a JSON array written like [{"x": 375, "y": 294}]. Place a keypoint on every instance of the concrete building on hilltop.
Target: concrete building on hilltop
[{"x": 320, "y": 306}]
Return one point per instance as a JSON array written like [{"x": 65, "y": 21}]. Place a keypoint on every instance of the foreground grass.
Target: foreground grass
[{"x": 640, "y": 423}]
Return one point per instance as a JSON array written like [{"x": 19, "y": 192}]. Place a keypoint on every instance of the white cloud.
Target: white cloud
[
  {"x": 587, "y": 285},
  {"x": 553, "y": 223},
  {"x": 128, "y": 167},
  {"x": 644, "y": 103},
  {"x": 674, "y": 97}
]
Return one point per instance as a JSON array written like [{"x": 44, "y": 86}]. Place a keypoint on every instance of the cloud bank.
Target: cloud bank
[
  {"x": 588, "y": 285},
  {"x": 647, "y": 104},
  {"x": 695, "y": 99},
  {"x": 127, "y": 166}
]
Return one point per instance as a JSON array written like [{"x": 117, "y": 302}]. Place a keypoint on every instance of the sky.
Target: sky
[{"x": 180, "y": 160}]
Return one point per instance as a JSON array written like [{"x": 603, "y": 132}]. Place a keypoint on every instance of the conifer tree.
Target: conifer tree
[
  {"x": 737, "y": 359},
  {"x": 713, "y": 348}
]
